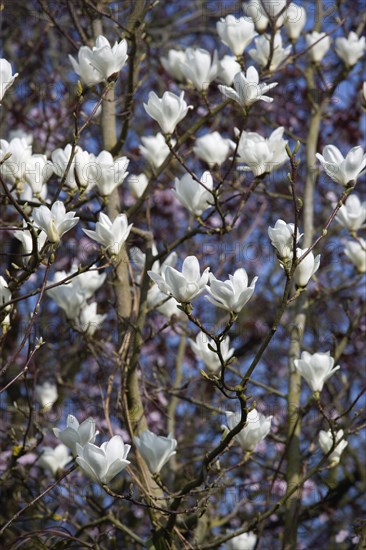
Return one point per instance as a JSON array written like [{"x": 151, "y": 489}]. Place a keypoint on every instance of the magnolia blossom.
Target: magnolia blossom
[
  {"x": 82, "y": 67},
  {"x": 5, "y": 294},
  {"x": 156, "y": 299},
  {"x": 72, "y": 295},
  {"x": 54, "y": 459},
  {"x": 306, "y": 268},
  {"x": 350, "y": 49},
  {"x": 335, "y": 441},
  {"x": 89, "y": 320},
  {"x": 25, "y": 237},
  {"x": 342, "y": 169},
  {"x": 46, "y": 394},
  {"x": 18, "y": 152},
  {"x": 262, "y": 50},
  {"x": 245, "y": 541},
  {"x": 172, "y": 63},
  {"x": 201, "y": 349},
  {"x": 61, "y": 163},
  {"x": 213, "y": 148},
  {"x": 275, "y": 10},
  {"x": 184, "y": 286},
  {"x": 102, "y": 171},
  {"x": 316, "y": 368},
  {"x": 247, "y": 89},
  {"x": 255, "y": 11},
  {"x": 319, "y": 44},
  {"x": 154, "y": 149},
  {"x": 6, "y": 77},
  {"x": 352, "y": 215},
  {"x": 69, "y": 297},
  {"x": 76, "y": 433},
  {"x": 55, "y": 222},
  {"x": 103, "y": 463},
  {"x": 282, "y": 238},
  {"x": 156, "y": 450},
  {"x": 38, "y": 171},
  {"x": 199, "y": 68},
  {"x": 233, "y": 293},
  {"x": 100, "y": 62},
  {"x": 137, "y": 184},
  {"x": 236, "y": 33},
  {"x": 111, "y": 235},
  {"x": 295, "y": 19},
  {"x": 262, "y": 155},
  {"x": 228, "y": 68},
  {"x": 194, "y": 196},
  {"x": 167, "y": 111},
  {"x": 256, "y": 428},
  {"x": 356, "y": 252}
]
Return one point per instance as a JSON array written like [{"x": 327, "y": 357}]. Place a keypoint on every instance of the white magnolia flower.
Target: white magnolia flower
[
  {"x": 6, "y": 77},
  {"x": 172, "y": 64},
  {"x": 5, "y": 294},
  {"x": 156, "y": 450},
  {"x": 256, "y": 428},
  {"x": 335, "y": 441},
  {"x": 55, "y": 222},
  {"x": 60, "y": 163},
  {"x": 306, "y": 268},
  {"x": 356, "y": 252},
  {"x": 199, "y": 68},
  {"x": 184, "y": 286},
  {"x": 24, "y": 236},
  {"x": 18, "y": 152},
  {"x": 82, "y": 67},
  {"x": 46, "y": 394},
  {"x": 350, "y": 49},
  {"x": 68, "y": 296},
  {"x": 54, "y": 459},
  {"x": 262, "y": 155},
  {"x": 167, "y": 111},
  {"x": 295, "y": 19},
  {"x": 194, "y": 196},
  {"x": 343, "y": 169},
  {"x": 103, "y": 463},
  {"x": 275, "y": 9},
  {"x": 316, "y": 368},
  {"x": 247, "y": 89},
  {"x": 228, "y": 68},
  {"x": 89, "y": 320},
  {"x": 87, "y": 282},
  {"x": 236, "y": 33},
  {"x": 319, "y": 44},
  {"x": 156, "y": 299},
  {"x": 154, "y": 149},
  {"x": 201, "y": 349},
  {"x": 245, "y": 541},
  {"x": 137, "y": 184},
  {"x": 213, "y": 148},
  {"x": 76, "y": 433},
  {"x": 352, "y": 215},
  {"x": 111, "y": 235},
  {"x": 232, "y": 294},
  {"x": 262, "y": 49},
  {"x": 102, "y": 171},
  {"x": 255, "y": 11},
  {"x": 282, "y": 238},
  {"x": 108, "y": 59},
  {"x": 38, "y": 171}
]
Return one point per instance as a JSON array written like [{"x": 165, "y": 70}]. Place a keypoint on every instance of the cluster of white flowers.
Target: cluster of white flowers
[{"x": 102, "y": 463}]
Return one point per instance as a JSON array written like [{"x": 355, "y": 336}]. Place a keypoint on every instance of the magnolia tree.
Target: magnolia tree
[{"x": 182, "y": 275}]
